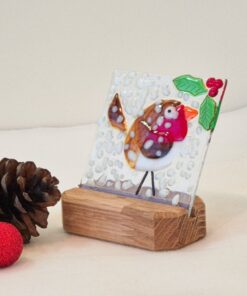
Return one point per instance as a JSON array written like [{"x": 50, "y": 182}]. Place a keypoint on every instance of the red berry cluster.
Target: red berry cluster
[{"x": 214, "y": 85}]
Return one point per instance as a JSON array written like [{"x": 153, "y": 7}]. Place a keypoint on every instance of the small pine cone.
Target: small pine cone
[{"x": 25, "y": 193}]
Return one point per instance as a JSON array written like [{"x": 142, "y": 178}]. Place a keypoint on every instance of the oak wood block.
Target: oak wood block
[{"x": 131, "y": 221}]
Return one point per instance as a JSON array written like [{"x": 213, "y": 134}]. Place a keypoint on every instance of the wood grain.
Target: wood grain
[{"x": 131, "y": 221}]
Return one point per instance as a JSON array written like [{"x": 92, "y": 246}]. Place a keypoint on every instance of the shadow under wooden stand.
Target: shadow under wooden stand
[{"x": 131, "y": 221}]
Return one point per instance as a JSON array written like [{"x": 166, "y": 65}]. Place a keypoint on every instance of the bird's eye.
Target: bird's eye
[{"x": 171, "y": 113}]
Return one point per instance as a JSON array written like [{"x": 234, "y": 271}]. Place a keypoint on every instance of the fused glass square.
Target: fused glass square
[{"x": 153, "y": 136}]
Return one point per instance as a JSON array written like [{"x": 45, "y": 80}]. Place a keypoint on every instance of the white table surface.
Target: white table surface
[{"x": 57, "y": 263}]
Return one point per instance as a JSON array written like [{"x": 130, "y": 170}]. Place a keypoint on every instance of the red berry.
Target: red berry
[
  {"x": 213, "y": 92},
  {"x": 218, "y": 83},
  {"x": 210, "y": 82},
  {"x": 11, "y": 244}
]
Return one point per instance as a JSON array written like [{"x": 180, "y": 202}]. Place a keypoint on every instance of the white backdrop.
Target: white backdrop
[{"x": 57, "y": 56}]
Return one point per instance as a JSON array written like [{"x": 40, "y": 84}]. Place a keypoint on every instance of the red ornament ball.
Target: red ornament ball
[{"x": 11, "y": 244}]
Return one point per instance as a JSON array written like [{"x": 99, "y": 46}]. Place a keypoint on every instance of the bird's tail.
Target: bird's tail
[{"x": 116, "y": 114}]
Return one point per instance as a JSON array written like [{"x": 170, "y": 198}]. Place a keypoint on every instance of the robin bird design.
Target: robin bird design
[{"x": 155, "y": 137}]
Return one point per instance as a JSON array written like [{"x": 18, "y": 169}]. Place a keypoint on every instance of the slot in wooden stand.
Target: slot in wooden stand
[{"x": 132, "y": 221}]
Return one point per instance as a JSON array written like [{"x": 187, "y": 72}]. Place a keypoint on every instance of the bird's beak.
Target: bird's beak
[{"x": 190, "y": 113}]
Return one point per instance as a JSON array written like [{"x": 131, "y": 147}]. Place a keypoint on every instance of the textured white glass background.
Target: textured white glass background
[{"x": 56, "y": 57}]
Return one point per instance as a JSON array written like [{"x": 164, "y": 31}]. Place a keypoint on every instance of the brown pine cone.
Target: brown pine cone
[{"x": 25, "y": 193}]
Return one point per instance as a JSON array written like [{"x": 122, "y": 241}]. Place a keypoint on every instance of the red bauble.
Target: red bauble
[{"x": 11, "y": 244}]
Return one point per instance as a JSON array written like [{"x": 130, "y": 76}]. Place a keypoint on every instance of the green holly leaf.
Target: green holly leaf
[
  {"x": 208, "y": 113},
  {"x": 213, "y": 123},
  {"x": 190, "y": 84}
]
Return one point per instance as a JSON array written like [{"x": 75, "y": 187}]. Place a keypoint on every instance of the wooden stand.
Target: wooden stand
[{"x": 132, "y": 221}]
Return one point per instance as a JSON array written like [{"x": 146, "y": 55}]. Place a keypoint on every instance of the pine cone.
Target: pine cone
[{"x": 25, "y": 193}]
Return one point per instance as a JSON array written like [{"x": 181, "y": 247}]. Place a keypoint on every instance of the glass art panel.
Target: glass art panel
[{"x": 153, "y": 136}]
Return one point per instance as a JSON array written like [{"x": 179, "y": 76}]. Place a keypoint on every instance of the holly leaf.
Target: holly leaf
[
  {"x": 190, "y": 84},
  {"x": 213, "y": 123},
  {"x": 208, "y": 113}
]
